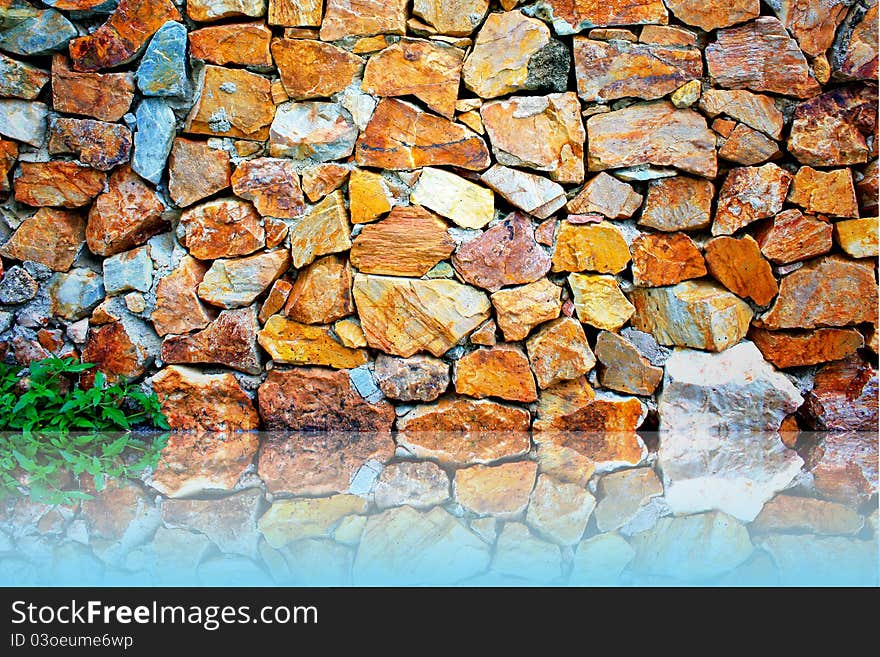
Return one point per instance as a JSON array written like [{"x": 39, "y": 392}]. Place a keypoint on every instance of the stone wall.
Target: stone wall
[{"x": 547, "y": 215}]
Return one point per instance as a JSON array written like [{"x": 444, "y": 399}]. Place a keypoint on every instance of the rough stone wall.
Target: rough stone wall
[{"x": 555, "y": 215}]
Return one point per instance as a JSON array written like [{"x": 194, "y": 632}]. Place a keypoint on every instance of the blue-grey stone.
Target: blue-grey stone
[
  {"x": 23, "y": 120},
  {"x": 162, "y": 71},
  {"x": 132, "y": 270},
  {"x": 26, "y": 30},
  {"x": 362, "y": 380},
  {"x": 73, "y": 294},
  {"x": 17, "y": 286},
  {"x": 152, "y": 141}
]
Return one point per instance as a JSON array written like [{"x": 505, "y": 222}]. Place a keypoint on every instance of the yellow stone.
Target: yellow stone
[
  {"x": 323, "y": 230},
  {"x": 522, "y": 308},
  {"x": 590, "y": 247},
  {"x": 350, "y": 333},
  {"x": 287, "y": 521},
  {"x": 599, "y": 301},
  {"x": 858, "y": 237},
  {"x": 467, "y": 204},
  {"x": 687, "y": 94},
  {"x": 293, "y": 343},
  {"x": 369, "y": 195}
]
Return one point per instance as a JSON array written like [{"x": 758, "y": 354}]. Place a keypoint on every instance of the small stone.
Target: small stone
[
  {"x": 126, "y": 215},
  {"x": 130, "y": 270},
  {"x": 854, "y": 52},
  {"x": 499, "y": 490},
  {"x": 404, "y": 546},
  {"x": 825, "y": 192},
  {"x": 73, "y": 294},
  {"x": 245, "y": 113},
  {"x": 678, "y": 203},
  {"x": 8, "y": 158},
  {"x": 828, "y": 291},
  {"x": 665, "y": 259},
  {"x": 23, "y": 121},
  {"x": 367, "y": 18},
  {"x": 323, "y": 230},
  {"x": 652, "y": 133},
  {"x": 590, "y": 247},
  {"x": 762, "y": 57},
  {"x": 60, "y": 184},
  {"x": 572, "y": 16},
  {"x": 515, "y": 53},
  {"x": 272, "y": 185},
  {"x": 316, "y": 399},
  {"x": 156, "y": 127},
  {"x": 623, "y": 368},
  {"x": 50, "y": 237},
  {"x": 608, "y": 196},
  {"x": 749, "y": 194},
  {"x": 195, "y": 171},
  {"x": 843, "y": 398},
  {"x": 205, "y": 402},
  {"x": 230, "y": 340},
  {"x": 322, "y": 292},
  {"x": 739, "y": 266},
  {"x": 624, "y": 495},
  {"x": 787, "y": 513},
  {"x": 237, "y": 282},
  {"x": 293, "y": 343},
  {"x": 793, "y": 236},
  {"x": 287, "y": 521},
  {"x": 295, "y": 13},
  {"x": 420, "y": 485},
  {"x": 409, "y": 242},
  {"x": 17, "y": 286},
  {"x": 696, "y": 314},
  {"x": 531, "y": 193},
  {"x": 844, "y": 466},
  {"x": 506, "y": 254},
  {"x": 501, "y": 371},
  {"x": 687, "y": 94},
  {"x": 747, "y": 146},
  {"x": 428, "y": 70},
  {"x": 178, "y": 308},
  {"x": 321, "y": 179},
  {"x": 400, "y": 136},
  {"x": 30, "y": 31},
  {"x": 313, "y": 69},
  {"x": 692, "y": 548},
  {"x": 788, "y": 349},
  {"x": 162, "y": 71},
  {"x": 95, "y": 143},
  {"x": 520, "y": 309},
  {"x": 104, "y": 96},
  {"x": 555, "y": 123},
  {"x": 312, "y": 131},
  {"x": 350, "y": 333},
  {"x": 831, "y": 129},
  {"x": 418, "y": 378},
  {"x": 275, "y": 300},
  {"x": 599, "y": 301},
  {"x": 857, "y": 237},
  {"x": 608, "y": 70},
  {"x": 402, "y": 316},
  {"x": 123, "y": 36},
  {"x": 244, "y": 44},
  {"x": 205, "y": 11},
  {"x": 560, "y": 511},
  {"x": 369, "y": 196},
  {"x": 559, "y": 351},
  {"x": 754, "y": 110}
]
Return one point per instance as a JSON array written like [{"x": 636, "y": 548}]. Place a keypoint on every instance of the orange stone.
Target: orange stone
[
  {"x": 401, "y": 136},
  {"x": 428, "y": 70},
  {"x": 501, "y": 371},
  {"x": 58, "y": 184},
  {"x": 797, "y": 349},
  {"x": 320, "y": 180},
  {"x": 452, "y": 17},
  {"x": 95, "y": 143},
  {"x": 522, "y": 308},
  {"x": 665, "y": 259},
  {"x": 50, "y": 237},
  {"x": 198, "y": 462},
  {"x": 126, "y": 215},
  {"x": 8, "y": 158},
  {"x": 747, "y": 146},
  {"x": 590, "y": 247},
  {"x": 857, "y": 237},
  {"x": 368, "y": 195},
  {"x": 230, "y": 340},
  {"x": 112, "y": 350},
  {"x": 559, "y": 351},
  {"x": 608, "y": 196},
  {"x": 749, "y": 194},
  {"x": 824, "y": 192},
  {"x": 296, "y": 13},
  {"x": 178, "y": 308},
  {"x": 740, "y": 267},
  {"x": 194, "y": 401},
  {"x": 678, "y": 203},
  {"x": 313, "y": 69},
  {"x": 275, "y": 300},
  {"x": 292, "y": 343},
  {"x": 272, "y": 184},
  {"x": 211, "y": 10},
  {"x": 409, "y": 242},
  {"x": 792, "y": 236},
  {"x": 104, "y": 96},
  {"x": 195, "y": 170},
  {"x": 755, "y": 110},
  {"x": 222, "y": 229},
  {"x": 812, "y": 25},
  {"x": 231, "y": 103},
  {"x": 243, "y": 44},
  {"x": 122, "y": 37},
  {"x": 491, "y": 422},
  {"x": 344, "y": 18},
  {"x": 324, "y": 229},
  {"x": 570, "y": 16},
  {"x": 501, "y": 490},
  {"x": 322, "y": 292},
  {"x": 709, "y": 15}
]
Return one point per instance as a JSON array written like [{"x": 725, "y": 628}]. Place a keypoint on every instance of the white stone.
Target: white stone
[
  {"x": 521, "y": 555},
  {"x": 600, "y": 560},
  {"x": 531, "y": 193},
  {"x": 807, "y": 560},
  {"x": 23, "y": 120},
  {"x": 559, "y": 511},
  {"x": 467, "y": 204}
]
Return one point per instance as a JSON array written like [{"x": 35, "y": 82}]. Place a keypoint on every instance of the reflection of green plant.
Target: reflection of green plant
[{"x": 58, "y": 428}]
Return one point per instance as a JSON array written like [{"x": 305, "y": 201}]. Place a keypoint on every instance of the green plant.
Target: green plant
[{"x": 53, "y": 427}]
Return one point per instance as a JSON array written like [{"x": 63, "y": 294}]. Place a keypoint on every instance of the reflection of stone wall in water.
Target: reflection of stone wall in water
[{"x": 458, "y": 216}]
